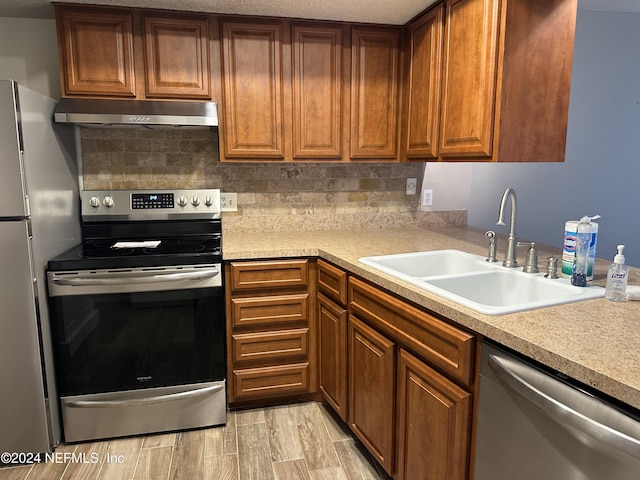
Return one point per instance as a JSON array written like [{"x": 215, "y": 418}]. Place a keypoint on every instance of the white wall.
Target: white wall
[
  {"x": 29, "y": 54},
  {"x": 601, "y": 172}
]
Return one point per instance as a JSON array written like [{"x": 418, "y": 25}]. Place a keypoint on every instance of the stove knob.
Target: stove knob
[
  {"x": 195, "y": 201},
  {"x": 208, "y": 201},
  {"x": 182, "y": 201},
  {"x": 94, "y": 202},
  {"x": 107, "y": 202}
]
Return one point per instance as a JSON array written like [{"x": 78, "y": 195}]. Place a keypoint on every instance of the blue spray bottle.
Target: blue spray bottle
[{"x": 581, "y": 258}]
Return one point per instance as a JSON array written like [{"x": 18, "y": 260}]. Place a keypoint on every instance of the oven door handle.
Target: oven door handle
[
  {"x": 133, "y": 402},
  {"x": 128, "y": 280}
]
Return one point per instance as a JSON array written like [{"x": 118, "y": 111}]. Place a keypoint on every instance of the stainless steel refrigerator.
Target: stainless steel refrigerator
[{"x": 39, "y": 218}]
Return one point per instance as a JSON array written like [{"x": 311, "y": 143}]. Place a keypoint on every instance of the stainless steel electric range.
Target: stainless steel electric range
[{"x": 137, "y": 315}]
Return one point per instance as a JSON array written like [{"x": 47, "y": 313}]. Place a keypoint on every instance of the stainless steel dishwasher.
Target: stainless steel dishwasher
[{"x": 535, "y": 424}]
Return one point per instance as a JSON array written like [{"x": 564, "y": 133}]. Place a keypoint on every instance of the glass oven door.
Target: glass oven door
[{"x": 130, "y": 329}]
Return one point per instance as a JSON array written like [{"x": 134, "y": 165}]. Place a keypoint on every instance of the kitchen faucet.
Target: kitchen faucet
[{"x": 510, "y": 259}]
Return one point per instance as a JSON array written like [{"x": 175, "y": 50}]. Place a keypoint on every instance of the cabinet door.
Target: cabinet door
[
  {"x": 96, "y": 52},
  {"x": 434, "y": 418},
  {"x": 332, "y": 325},
  {"x": 253, "y": 90},
  {"x": 469, "y": 78},
  {"x": 317, "y": 92},
  {"x": 372, "y": 390},
  {"x": 423, "y": 87},
  {"x": 177, "y": 57},
  {"x": 374, "y": 92}
]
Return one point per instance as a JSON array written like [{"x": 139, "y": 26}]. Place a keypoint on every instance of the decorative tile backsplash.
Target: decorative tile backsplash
[{"x": 271, "y": 196}]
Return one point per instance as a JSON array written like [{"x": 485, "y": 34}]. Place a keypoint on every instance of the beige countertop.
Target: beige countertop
[{"x": 596, "y": 341}]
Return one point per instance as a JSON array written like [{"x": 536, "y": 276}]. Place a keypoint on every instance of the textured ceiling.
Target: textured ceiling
[{"x": 394, "y": 12}]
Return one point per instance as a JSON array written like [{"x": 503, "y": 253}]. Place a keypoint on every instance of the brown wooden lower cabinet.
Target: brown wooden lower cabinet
[
  {"x": 332, "y": 354},
  {"x": 271, "y": 329},
  {"x": 372, "y": 390},
  {"x": 400, "y": 376},
  {"x": 415, "y": 418},
  {"x": 434, "y": 417}
]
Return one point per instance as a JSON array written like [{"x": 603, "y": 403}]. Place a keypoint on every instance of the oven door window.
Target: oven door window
[{"x": 125, "y": 341}]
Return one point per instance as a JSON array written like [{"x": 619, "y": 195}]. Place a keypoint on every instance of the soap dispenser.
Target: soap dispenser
[{"x": 617, "y": 275}]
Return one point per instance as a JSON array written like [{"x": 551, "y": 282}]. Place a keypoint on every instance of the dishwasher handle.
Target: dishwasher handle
[{"x": 585, "y": 428}]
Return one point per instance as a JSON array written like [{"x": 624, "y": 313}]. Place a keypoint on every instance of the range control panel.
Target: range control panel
[
  {"x": 140, "y": 201},
  {"x": 101, "y": 205}
]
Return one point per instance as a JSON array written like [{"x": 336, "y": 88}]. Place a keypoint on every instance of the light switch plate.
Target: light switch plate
[{"x": 411, "y": 186}]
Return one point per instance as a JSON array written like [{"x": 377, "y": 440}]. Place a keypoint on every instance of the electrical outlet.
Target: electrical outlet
[
  {"x": 411, "y": 186},
  {"x": 229, "y": 202},
  {"x": 427, "y": 198}
]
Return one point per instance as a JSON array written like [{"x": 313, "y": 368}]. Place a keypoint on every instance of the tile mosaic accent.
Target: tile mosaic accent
[{"x": 271, "y": 196}]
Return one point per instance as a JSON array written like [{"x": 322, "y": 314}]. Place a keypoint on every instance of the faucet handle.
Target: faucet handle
[
  {"x": 531, "y": 264},
  {"x": 552, "y": 267},
  {"x": 493, "y": 245}
]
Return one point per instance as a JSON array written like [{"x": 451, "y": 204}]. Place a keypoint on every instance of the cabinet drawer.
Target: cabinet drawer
[
  {"x": 256, "y": 383},
  {"x": 269, "y": 274},
  {"x": 441, "y": 344},
  {"x": 270, "y": 346},
  {"x": 273, "y": 310},
  {"x": 332, "y": 281}
]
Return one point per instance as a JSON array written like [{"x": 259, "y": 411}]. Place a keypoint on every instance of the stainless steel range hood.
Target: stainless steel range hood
[{"x": 136, "y": 113}]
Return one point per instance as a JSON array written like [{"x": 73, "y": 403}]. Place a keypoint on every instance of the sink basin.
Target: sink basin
[
  {"x": 429, "y": 264},
  {"x": 508, "y": 291},
  {"x": 487, "y": 288}
]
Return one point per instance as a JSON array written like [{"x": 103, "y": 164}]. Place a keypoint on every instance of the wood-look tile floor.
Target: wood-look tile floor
[{"x": 302, "y": 441}]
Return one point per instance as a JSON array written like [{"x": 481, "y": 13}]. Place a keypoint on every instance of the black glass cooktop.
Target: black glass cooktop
[{"x": 125, "y": 253}]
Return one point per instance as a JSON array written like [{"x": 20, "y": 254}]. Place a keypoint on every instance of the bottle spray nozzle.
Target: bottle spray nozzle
[
  {"x": 589, "y": 219},
  {"x": 619, "y": 258}
]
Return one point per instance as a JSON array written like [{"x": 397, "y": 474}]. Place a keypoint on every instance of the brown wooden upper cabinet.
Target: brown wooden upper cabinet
[
  {"x": 506, "y": 78},
  {"x": 270, "y": 90},
  {"x": 177, "y": 57},
  {"x": 298, "y": 91},
  {"x": 318, "y": 90},
  {"x": 469, "y": 80},
  {"x": 374, "y": 93},
  {"x": 253, "y": 90},
  {"x": 423, "y": 80},
  {"x": 96, "y": 52},
  {"x": 127, "y": 54}
]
